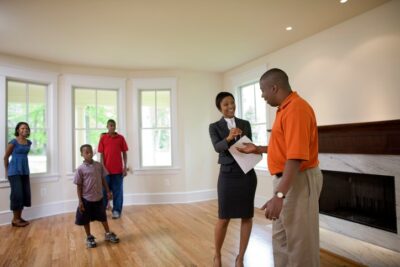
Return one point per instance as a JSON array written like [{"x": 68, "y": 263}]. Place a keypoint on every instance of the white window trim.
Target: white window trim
[
  {"x": 151, "y": 84},
  {"x": 248, "y": 77},
  {"x": 72, "y": 81},
  {"x": 42, "y": 77}
]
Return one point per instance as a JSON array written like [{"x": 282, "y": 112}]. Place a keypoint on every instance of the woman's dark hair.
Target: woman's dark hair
[
  {"x": 221, "y": 96},
  {"x": 19, "y": 124}
]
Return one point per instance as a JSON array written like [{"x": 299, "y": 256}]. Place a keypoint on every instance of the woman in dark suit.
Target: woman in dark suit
[{"x": 236, "y": 190}]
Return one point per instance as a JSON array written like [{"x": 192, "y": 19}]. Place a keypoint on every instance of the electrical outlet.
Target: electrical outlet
[
  {"x": 167, "y": 182},
  {"x": 43, "y": 191}
]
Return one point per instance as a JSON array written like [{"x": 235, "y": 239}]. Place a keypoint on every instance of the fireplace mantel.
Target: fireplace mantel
[{"x": 382, "y": 137}]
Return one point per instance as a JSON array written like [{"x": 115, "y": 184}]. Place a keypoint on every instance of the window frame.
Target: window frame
[
  {"x": 240, "y": 112},
  {"x": 73, "y": 81},
  {"x": 50, "y": 79},
  {"x": 141, "y": 84},
  {"x": 239, "y": 79}
]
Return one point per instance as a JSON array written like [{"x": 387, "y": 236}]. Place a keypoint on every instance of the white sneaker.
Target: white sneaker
[{"x": 115, "y": 214}]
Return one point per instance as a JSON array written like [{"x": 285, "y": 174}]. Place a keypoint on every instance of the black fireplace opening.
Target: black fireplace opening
[{"x": 362, "y": 198}]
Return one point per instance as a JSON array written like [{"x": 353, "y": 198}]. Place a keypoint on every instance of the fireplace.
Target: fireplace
[{"x": 361, "y": 198}]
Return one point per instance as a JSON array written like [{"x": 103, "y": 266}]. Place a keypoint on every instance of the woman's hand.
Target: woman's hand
[{"x": 233, "y": 133}]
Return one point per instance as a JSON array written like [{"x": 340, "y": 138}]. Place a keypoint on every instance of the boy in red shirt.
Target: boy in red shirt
[{"x": 113, "y": 147}]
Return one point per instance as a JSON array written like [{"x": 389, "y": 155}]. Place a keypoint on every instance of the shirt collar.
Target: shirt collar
[
  {"x": 288, "y": 99},
  {"x": 88, "y": 163}
]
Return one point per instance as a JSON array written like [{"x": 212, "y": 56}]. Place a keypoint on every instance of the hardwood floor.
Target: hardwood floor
[{"x": 151, "y": 235}]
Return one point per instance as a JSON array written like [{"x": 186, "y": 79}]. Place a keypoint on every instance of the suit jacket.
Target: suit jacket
[{"x": 218, "y": 133}]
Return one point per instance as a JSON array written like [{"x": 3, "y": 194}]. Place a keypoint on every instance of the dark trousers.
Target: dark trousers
[{"x": 20, "y": 192}]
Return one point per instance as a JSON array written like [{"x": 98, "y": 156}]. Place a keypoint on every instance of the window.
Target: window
[
  {"x": 92, "y": 109},
  {"x": 31, "y": 96},
  {"x": 155, "y": 126},
  {"x": 27, "y": 102},
  {"x": 92, "y": 100},
  {"x": 252, "y": 107}
]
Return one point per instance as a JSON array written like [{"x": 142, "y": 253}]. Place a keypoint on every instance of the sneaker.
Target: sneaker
[
  {"x": 90, "y": 241},
  {"x": 116, "y": 214},
  {"x": 111, "y": 237}
]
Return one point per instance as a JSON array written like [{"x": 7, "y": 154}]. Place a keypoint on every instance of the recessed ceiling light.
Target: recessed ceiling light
[
  {"x": 343, "y": 1},
  {"x": 289, "y": 28}
]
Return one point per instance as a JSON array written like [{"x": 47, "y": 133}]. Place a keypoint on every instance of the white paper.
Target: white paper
[{"x": 245, "y": 161}]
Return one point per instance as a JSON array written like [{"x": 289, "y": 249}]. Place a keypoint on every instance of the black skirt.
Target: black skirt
[{"x": 236, "y": 192}]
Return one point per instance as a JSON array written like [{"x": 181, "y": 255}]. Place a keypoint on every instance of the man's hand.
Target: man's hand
[
  {"x": 248, "y": 148},
  {"x": 273, "y": 208},
  {"x": 109, "y": 195}
]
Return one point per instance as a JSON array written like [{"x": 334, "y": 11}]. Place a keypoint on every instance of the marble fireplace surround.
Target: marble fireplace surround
[{"x": 366, "y": 164}]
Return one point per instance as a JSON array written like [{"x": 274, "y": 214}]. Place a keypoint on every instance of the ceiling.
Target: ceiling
[{"x": 207, "y": 35}]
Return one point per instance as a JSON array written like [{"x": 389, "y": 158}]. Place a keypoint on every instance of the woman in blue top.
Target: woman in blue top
[{"x": 17, "y": 171}]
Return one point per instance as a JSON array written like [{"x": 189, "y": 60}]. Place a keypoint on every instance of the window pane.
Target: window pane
[
  {"x": 37, "y": 156},
  {"x": 16, "y": 103},
  {"x": 37, "y": 104},
  {"x": 10, "y": 134},
  {"x": 248, "y": 108},
  {"x": 163, "y": 109},
  {"x": 85, "y": 108},
  {"x": 261, "y": 109},
  {"x": 156, "y": 147},
  {"x": 106, "y": 107},
  {"x": 148, "y": 100},
  {"x": 82, "y": 137}
]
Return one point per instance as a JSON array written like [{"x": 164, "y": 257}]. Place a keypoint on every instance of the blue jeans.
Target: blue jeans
[{"x": 115, "y": 183}]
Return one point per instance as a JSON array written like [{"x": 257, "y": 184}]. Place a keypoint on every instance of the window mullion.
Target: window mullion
[{"x": 27, "y": 101}]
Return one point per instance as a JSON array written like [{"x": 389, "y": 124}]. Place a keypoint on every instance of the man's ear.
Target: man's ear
[{"x": 274, "y": 88}]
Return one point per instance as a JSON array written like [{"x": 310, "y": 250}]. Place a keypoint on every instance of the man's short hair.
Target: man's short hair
[{"x": 278, "y": 76}]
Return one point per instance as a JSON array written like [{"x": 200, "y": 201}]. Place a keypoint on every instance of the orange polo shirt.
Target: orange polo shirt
[{"x": 294, "y": 135}]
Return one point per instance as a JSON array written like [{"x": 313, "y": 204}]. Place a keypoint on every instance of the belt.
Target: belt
[{"x": 279, "y": 174}]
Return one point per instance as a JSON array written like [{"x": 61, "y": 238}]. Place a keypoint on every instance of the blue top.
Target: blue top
[{"x": 19, "y": 158}]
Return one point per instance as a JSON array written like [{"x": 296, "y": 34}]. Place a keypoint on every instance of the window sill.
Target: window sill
[
  {"x": 157, "y": 171},
  {"x": 34, "y": 179}
]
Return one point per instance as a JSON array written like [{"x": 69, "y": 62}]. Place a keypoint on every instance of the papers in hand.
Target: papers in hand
[{"x": 245, "y": 161}]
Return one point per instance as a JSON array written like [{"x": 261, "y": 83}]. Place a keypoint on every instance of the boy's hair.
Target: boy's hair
[
  {"x": 111, "y": 121},
  {"x": 85, "y": 145}
]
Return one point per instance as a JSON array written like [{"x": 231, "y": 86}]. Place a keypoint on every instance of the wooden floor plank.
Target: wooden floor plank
[{"x": 151, "y": 235}]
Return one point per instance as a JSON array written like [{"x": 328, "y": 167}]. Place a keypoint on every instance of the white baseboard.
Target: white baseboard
[{"x": 61, "y": 207}]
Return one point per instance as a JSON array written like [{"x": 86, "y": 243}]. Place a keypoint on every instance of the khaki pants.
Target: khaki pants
[{"x": 295, "y": 235}]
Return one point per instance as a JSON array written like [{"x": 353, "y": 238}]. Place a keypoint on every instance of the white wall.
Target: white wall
[{"x": 348, "y": 73}]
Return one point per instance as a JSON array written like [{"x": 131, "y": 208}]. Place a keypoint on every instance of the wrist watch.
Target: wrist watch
[{"x": 279, "y": 195}]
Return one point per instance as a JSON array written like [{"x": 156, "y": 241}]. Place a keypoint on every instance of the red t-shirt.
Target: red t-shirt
[{"x": 112, "y": 146}]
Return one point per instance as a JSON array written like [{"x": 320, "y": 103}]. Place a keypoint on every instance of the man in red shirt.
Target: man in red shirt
[
  {"x": 293, "y": 160},
  {"x": 113, "y": 147}
]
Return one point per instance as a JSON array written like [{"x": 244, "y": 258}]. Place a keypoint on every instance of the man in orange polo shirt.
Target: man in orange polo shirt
[{"x": 293, "y": 160}]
